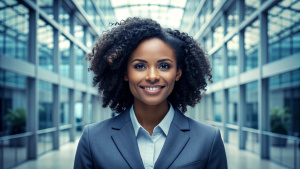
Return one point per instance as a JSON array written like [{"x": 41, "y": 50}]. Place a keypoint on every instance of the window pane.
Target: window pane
[
  {"x": 283, "y": 30},
  {"x": 14, "y": 30},
  {"x": 79, "y": 31},
  {"x": 218, "y": 106},
  {"x": 232, "y": 18},
  {"x": 217, "y": 67},
  {"x": 13, "y": 103},
  {"x": 251, "y": 45},
  {"x": 45, "y": 105},
  {"x": 64, "y": 106},
  {"x": 284, "y": 94},
  {"x": 64, "y": 47},
  {"x": 232, "y": 105},
  {"x": 218, "y": 33},
  {"x": 232, "y": 54},
  {"x": 64, "y": 18},
  {"x": 207, "y": 42},
  {"x": 47, "y": 7},
  {"x": 79, "y": 64},
  {"x": 251, "y": 6},
  {"x": 251, "y": 119},
  {"x": 45, "y": 40}
]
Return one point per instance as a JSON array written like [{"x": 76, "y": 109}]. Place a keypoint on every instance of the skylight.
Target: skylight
[{"x": 168, "y": 13}]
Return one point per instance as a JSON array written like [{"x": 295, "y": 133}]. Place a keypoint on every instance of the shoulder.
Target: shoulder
[
  {"x": 106, "y": 126},
  {"x": 203, "y": 131},
  {"x": 201, "y": 126}
]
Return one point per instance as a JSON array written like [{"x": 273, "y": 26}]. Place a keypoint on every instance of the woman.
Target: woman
[{"x": 149, "y": 75}]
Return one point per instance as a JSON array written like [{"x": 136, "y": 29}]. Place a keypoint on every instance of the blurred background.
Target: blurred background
[{"x": 46, "y": 93}]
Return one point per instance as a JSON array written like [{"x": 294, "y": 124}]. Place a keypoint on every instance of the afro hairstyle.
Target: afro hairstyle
[{"x": 111, "y": 52}]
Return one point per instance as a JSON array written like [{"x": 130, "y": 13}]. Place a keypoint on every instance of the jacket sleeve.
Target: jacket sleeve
[
  {"x": 83, "y": 157},
  {"x": 217, "y": 158}
]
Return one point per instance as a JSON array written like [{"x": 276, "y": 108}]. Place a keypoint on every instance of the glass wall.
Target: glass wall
[
  {"x": 45, "y": 105},
  {"x": 218, "y": 33},
  {"x": 78, "y": 108},
  {"x": 232, "y": 107},
  {"x": 284, "y": 110},
  {"x": 64, "y": 47},
  {"x": 217, "y": 67},
  {"x": 28, "y": 32},
  {"x": 217, "y": 96},
  {"x": 79, "y": 31},
  {"x": 250, "y": 7},
  {"x": 64, "y": 106},
  {"x": 45, "y": 40},
  {"x": 47, "y": 7},
  {"x": 14, "y": 29},
  {"x": 251, "y": 45},
  {"x": 80, "y": 55},
  {"x": 251, "y": 107},
  {"x": 232, "y": 18},
  {"x": 64, "y": 17},
  {"x": 283, "y": 30},
  {"x": 13, "y": 103},
  {"x": 232, "y": 55}
]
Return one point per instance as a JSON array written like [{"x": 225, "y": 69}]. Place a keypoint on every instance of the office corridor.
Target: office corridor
[{"x": 64, "y": 158}]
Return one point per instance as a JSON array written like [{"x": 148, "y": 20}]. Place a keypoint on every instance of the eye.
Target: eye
[
  {"x": 139, "y": 66},
  {"x": 164, "y": 66}
]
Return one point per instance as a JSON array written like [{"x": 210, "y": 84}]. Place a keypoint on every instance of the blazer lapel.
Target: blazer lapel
[
  {"x": 125, "y": 140},
  {"x": 175, "y": 142}
]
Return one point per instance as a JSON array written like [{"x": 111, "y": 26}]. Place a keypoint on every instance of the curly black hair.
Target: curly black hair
[{"x": 112, "y": 50}]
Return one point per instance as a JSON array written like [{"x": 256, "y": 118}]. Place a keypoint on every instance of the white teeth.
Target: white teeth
[{"x": 152, "y": 88}]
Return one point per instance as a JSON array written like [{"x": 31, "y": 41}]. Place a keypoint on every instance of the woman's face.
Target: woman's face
[{"x": 152, "y": 72}]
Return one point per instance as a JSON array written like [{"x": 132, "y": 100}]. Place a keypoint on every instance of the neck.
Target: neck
[{"x": 150, "y": 116}]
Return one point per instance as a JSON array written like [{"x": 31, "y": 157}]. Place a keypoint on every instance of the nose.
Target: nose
[{"x": 152, "y": 75}]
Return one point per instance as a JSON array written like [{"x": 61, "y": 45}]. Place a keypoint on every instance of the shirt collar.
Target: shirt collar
[{"x": 164, "y": 124}]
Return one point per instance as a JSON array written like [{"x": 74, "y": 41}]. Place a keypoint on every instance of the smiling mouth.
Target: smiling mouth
[{"x": 152, "y": 88}]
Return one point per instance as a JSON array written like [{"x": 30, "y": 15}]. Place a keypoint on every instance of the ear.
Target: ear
[
  {"x": 126, "y": 76},
  {"x": 178, "y": 74}
]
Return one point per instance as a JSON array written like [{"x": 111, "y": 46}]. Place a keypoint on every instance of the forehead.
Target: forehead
[{"x": 153, "y": 48}]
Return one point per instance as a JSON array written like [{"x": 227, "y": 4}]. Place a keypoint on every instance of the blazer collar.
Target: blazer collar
[
  {"x": 125, "y": 140},
  {"x": 175, "y": 142},
  {"x": 126, "y": 143}
]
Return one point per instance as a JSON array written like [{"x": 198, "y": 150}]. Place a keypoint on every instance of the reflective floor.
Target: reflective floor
[{"x": 64, "y": 159}]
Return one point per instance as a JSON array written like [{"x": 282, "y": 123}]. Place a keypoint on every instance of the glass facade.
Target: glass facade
[
  {"x": 42, "y": 49},
  {"x": 64, "y": 47},
  {"x": 260, "y": 51},
  {"x": 218, "y": 33},
  {"x": 283, "y": 30},
  {"x": 217, "y": 67},
  {"x": 45, "y": 39},
  {"x": 64, "y": 17},
  {"x": 251, "y": 107},
  {"x": 232, "y": 18},
  {"x": 232, "y": 106},
  {"x": 251, "y": 45},
  {"x": 14, "y": 29},
  {"x": 13, "y": 103},
  {"x": 251, "y": 6},
  {"x": 232, "y": 56},
  {"x": 45, "y": 105},
  {"x": 64, "y": 106},
  {"x": 284, "y": 111},
  {"x": 217, "y": 106},
  {"x": 80, "y": 55}
]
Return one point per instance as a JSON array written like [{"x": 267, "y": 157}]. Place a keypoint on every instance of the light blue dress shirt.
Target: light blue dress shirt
[{"x": 150, "y": 146}]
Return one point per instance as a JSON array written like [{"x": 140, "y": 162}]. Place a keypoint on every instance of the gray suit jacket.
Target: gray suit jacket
[{"x": 111, "y": 144}]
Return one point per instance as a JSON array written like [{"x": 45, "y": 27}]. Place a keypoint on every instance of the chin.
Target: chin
[{"x": 152, "y": 102}]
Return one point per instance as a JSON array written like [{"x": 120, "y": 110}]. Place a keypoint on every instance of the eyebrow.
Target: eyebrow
[{"x": 161, "y": 60}]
